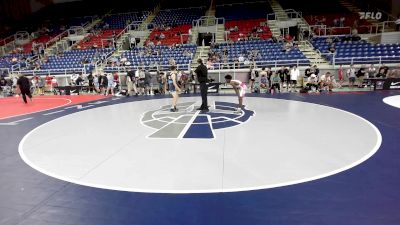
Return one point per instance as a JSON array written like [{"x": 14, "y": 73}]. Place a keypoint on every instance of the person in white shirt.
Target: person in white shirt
[
  {"x": 351, "y": 74},
  {"x": 312, "y": 83},
  {"x": 241, "y": 59},
  {"x": 294, "y": 75}
]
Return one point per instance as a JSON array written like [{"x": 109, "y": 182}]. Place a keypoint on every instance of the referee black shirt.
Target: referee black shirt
[
  {"x": 24, "y": 83},
  {"x": 202, "y": 73}
]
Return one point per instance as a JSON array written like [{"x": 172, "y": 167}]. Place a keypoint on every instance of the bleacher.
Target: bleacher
[
  {"x": 315, "y": 11},
  {"x": 269, "y": 51},
  {"x": 245, "y": 28},
  {"x": 74, "y": 61},
  {"x": 172, "y": 35},
  {"x": 174, "y": 17},
  {"x": 174, "y": 22},
  {"x": 361, "y": 52},
  {"x": 243, "y": 11},
  {"x": 6, "y": 60},
  {"x": 138, "y": 57},
  {"x": 120, "y": 21},
  {"x": 101, "y": 40},
  {"x": 179, "y": 4},
  {"x": 27, "y": 48}
]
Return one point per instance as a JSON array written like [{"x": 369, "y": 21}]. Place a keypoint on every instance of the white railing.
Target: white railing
[
  {"x": 75, "y": 30},
  {"x": 216, "y": 66},
  {"x": 260, "y": 63},
  {"x": 16, "y": 67},
  {"x": 205, "y": 21},
  {"x": 56, "y": 38},
  {"x": 146, "y": 13},
  {"x": 174, "y": 9},
  {"x": 185, "y": 35},
  {"x": 240, "y": 3},
  {"x": 105, "y": 40},
  {"x": 181, "y": 67},
  {"x": 271, "y": 16},
  {"x": 323, "y": 30},
  {"x": 7, "y": 40},
  {"x": 291, "y": 13},
  {"x": 52, "y": 71},
  {"x": 364, "y": 60},
  {"x": 132, "y": 26}
]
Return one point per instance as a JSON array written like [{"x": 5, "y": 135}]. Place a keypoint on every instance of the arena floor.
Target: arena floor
[{"x": 287, "y": 159}]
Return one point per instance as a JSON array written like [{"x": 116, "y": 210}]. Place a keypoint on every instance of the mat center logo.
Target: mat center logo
[{"x": 188, "y": 122}]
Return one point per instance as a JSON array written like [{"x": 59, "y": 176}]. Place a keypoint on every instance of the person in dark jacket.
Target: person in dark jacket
[
  {"x": 24, "y": 86},
  {"x": 202, "y": 74}
]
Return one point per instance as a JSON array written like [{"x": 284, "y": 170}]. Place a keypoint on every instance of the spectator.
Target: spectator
[
  {"x": 210, "y": 64},
  {"x": 351, "y": 75},
  {"x": 398, "y": 23},
  {"x": 326, "y": 82},
  {"x": 41, "y": 84},
  {"x": 371, "y": 71},
  {"x": 110, "y": 84},
  {"x": 382, "y": 72},
  {"x": 342, "y": 21},
  {"x": 332, "y": 48},
  {"x": 340, "y": 76},
  {"x": 308, "y": 71},
  {"x": 315, "y": 70},
  {"x": 263, "y": 79},
  {"x": 162, "y": 36},
  {"x": 96, "y": 83},
  {"x": 360, "y": 76},
  {"x": 336, "y": 22},
  {"x": 48, "y": 86},
  {"x": 130, "y": 83},
  {"x": 264, "y": 71},
  {"x": 275, "y": 83},
  {"x": 252, "y": 76},
  {"x": 141, "y": 78},
  {"x": 294, "y": 75},
  {"x": 283, "y": 74},
  {"x": 312, "y": 83},
  {"x": 148, "y": 86}
]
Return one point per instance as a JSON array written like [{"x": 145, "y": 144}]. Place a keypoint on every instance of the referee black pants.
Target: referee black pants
[
  {"x": 25, "y": 93},
  {"x": 203, "y": 91}
]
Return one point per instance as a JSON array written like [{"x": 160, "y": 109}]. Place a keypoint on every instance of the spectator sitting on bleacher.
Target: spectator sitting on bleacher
[
  {"x": 210, "y": 65},
  {"x": 336, "y": 22},
  {"x": 162, "y": 36},
  {"x": 315, "y": 70},
  {"x": 342, "y": 21}
]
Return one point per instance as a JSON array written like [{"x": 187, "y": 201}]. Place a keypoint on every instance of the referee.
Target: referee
[
  {"x": 202, "y": 74},
  {"x": 25, "y": 87}
]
